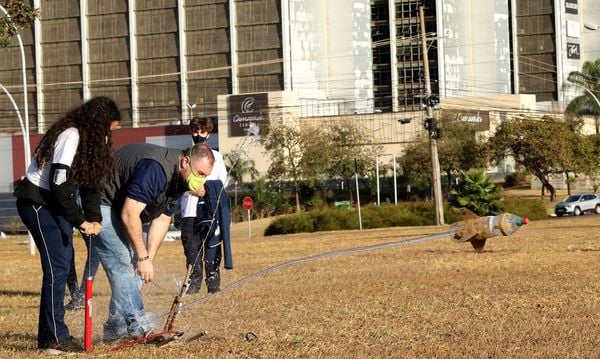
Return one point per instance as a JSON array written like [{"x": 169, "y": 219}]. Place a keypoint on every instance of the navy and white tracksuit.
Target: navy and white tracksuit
[{"x": 47, "y": 205}]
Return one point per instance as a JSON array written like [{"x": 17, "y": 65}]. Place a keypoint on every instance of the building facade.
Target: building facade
[{"x": 164, "y": 61}]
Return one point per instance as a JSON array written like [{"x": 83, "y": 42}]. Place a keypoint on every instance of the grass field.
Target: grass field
[{"x": 535, "y": 294}]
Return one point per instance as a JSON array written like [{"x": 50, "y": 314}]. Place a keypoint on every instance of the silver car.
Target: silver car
[{"x": 577, "y": 204}]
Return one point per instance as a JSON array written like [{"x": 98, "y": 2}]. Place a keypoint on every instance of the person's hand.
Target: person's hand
[
  {"x": 95, "y": 230},
  {"x": 86, "y": 227},
  {"x": 97, "y": 227},
  {"x": 146, "y": 270},
  {"x": 199, "y": 192}
]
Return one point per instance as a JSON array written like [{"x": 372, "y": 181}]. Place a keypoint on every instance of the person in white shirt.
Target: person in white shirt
[
  {"x": 73, "y": 156},
  {"x": 193, "y": 238}
]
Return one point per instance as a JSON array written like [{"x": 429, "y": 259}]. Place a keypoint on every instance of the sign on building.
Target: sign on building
[
  {"x": 573, "y": 51},
  {"x": 571, "y": 6},
  {"x": 479, "y": 119},
  {"x": 245, "y": 109}
]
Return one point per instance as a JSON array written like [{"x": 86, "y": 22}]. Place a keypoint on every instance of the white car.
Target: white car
[{"x": 577, "y": 204}]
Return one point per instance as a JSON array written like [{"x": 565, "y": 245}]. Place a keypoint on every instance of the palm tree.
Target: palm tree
[
  {"x": 239, "y": 166},
  {"x": 477, "y": 193},
  {"x": 587, "y": 79}
]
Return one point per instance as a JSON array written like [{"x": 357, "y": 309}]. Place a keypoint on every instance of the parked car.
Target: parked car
[{"x": 577, "y": 204}]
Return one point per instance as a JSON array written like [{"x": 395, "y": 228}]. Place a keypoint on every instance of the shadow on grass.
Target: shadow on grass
[
  {"x": 18, "y": 342},
  {"x": 19, "y": 293}
]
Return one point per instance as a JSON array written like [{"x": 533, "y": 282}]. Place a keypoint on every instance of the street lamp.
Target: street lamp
[
  {"x": 591, "y": 94},
  {"x": 12, "y": 101},
  {"x": 24, "y": 126},
  {"x": 191, "y": 107}
]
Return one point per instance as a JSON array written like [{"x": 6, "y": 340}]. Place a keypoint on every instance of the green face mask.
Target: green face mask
[{"x": 194, "y": 182}]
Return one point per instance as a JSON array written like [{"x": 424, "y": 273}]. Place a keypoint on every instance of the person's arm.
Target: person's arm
[
  {"x": 62, "y": 184},
  {"x": 157, "y": 232},
  {"x": 130, "y": 215},
  {"x": 90, "y": 203},
  {"x": 147, "y": 183}
]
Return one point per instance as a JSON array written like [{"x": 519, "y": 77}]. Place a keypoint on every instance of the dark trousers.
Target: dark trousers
[
  {"x": 198, "y": 255},
  {"x": 53, "y": 236}
]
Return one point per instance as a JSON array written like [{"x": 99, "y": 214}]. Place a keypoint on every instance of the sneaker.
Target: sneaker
[
  {"x": 213, "y": 290},
  {"x": 115, "y": 336},
  {"x": 139, "y": 334},
  {"x": 75, "y": 304},
  {"x": 193, "y": 289},
  {"x": 69, "y": 345}
]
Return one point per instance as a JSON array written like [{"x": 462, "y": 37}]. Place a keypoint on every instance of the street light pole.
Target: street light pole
[
  {"x": 591, "y": 94},
  {"x": 26, "y": 145},
  {"x": 191, "y": 107},
  {"x": 435, "y": 163},
  {"x": 25, "y": 125}
]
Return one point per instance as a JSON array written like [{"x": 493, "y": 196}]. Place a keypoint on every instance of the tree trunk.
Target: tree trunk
[
  {"x": 350, "y": 191},
  {"x": 297, "y": 190},
  {"x": 235, "y": 202},
  {"x": 546, "y": 184},
  {"x": 568, "y": 183},
  {"x": 450, "y": 182}
]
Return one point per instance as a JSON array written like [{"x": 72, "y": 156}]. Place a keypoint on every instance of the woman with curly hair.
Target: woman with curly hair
[{"x": 73, "y": 156}]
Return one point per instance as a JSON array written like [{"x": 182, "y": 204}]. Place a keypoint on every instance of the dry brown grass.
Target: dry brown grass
[{"x": 533, "y": 295}]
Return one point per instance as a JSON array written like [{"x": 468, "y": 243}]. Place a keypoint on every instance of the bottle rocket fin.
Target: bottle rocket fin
[
  {"x": 467, "y": 214},
  {"x": 478, "y": 245}
]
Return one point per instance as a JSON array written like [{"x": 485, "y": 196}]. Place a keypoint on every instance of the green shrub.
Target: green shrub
[{"x": 404, "y": 214}]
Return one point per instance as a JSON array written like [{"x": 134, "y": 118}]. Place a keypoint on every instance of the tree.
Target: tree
[
  {"x": 309, "y": 152},
  {"x": 591, "y": 159},
  {"x": 588, "y": 78},
  {"x": 476, "y": 192},
  {"x": 541, "y": 146},
  {"x": 21, "y": 16},
  {"x": 239, "y": 166},
  {"x": 285, "y": 143},
  {"x": 458, "y": 150},
  {"x": 347, "y": 153},
  {"x": 574, "y": 152},
  {"x": 415, "y": 163}
]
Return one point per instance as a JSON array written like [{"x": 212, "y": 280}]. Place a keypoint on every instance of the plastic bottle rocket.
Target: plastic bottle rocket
[{"x": 477, "y": 229}]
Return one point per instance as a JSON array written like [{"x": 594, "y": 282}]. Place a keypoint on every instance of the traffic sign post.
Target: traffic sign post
[{"x": 248, "y": 203}]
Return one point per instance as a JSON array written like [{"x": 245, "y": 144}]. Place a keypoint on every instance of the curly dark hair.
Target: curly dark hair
[{"x": 94, "y": 159}]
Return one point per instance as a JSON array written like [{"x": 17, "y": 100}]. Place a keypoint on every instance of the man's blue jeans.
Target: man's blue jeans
[{"x": 126, "y": 317}]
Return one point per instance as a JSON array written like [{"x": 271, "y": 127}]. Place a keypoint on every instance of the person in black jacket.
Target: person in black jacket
[
  {"x": 74, "y": 155},
  {"x": 200, "y": 234},
  {"x": 212, "y": 229}
]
